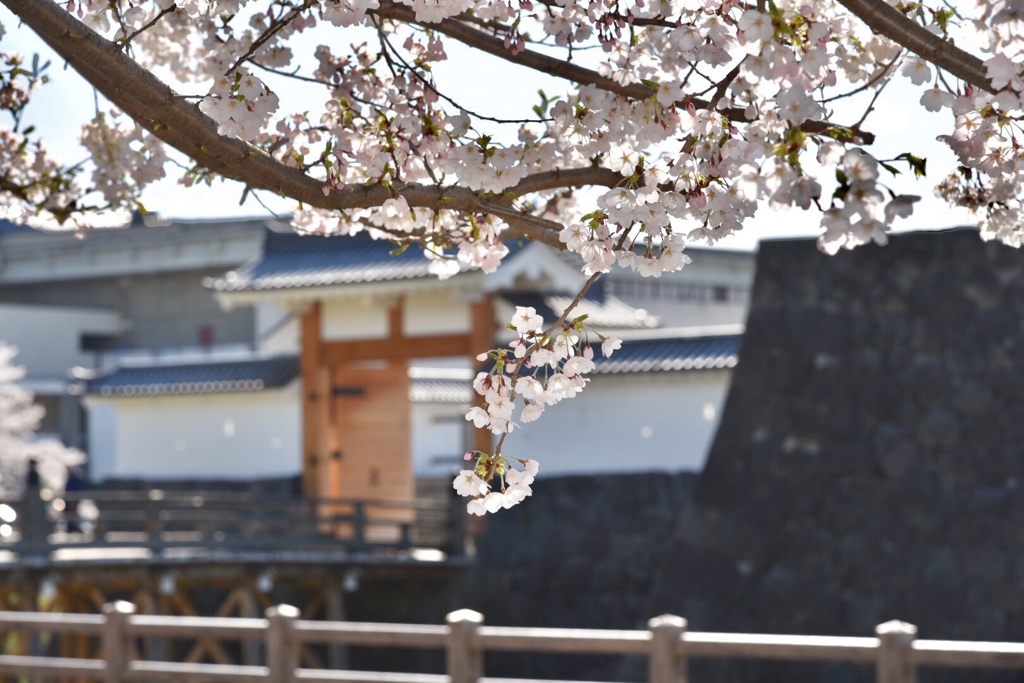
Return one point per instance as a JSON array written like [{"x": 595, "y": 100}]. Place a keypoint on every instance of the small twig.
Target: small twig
[
  {"x": 874, "y": 79},
  {"x": 432, "y": 88},
  {"x": 124, "y": 43},
  {"x": 274, "y": 29},
  {"x": 724, "y": 84},
  {"x": 546, "y": 333}
]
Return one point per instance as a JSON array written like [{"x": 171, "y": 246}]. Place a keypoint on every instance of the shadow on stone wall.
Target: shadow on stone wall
[{"x": 868, "y": 466}]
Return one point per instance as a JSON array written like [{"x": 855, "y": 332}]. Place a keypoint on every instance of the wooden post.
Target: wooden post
[
  {"x": 481, "y": 339},
  {"x": 282, "y": 650},
  {"x": 313, "y": 401},
  {"x": 248, "y": 608},
  {"x": 667, "y": 664},
  {"x": 359, "y": 541},
  {"x": 116, "y": 648},
  {"x": 465, "y": 659},
  {"x": 154, "y": 647},
  {"x": 457, "y": 525},
  {"x": 894, "y": 665},
  {"x": 334, "y": 610}
]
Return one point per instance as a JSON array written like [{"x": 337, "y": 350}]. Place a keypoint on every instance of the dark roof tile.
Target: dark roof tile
[
  {"x": 196, "y": 378},
  {"x": 672, "y": 354}
]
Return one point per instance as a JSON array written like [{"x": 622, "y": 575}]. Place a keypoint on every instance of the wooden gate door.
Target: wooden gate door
[{"x": 372, "y": 418}]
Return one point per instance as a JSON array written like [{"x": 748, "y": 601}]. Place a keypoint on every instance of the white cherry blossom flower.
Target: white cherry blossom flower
[
  {"x": 526, "y": 320},
  {"x": 610, "y": 345},
  {"x": 469, "y": 484}
]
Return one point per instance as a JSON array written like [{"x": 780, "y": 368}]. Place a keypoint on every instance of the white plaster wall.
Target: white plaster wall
[
  {"x": 675, "y": 315},
  {"x": 48, "y": 337},
  {"x": 364, "y": 318},
  {"x": 438, "y": 438},
  {"x": 628, "y": 423},
  {"x": 216, "y": 436},
  {"x": 102, "y": 447},
  {"x": 734, "y": 270},
  {"x": 436, "y": 313},
  {"x": 425, "y": 313},
  {"x": 277, "y": 328}
]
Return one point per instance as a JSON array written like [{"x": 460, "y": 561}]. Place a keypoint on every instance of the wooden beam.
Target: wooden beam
[
  {"x": 481, "y": 339},
  {"x": 311, "y": 425},
  {"x": 336, "y": 353},
  {"x": 396, "y": 330}
]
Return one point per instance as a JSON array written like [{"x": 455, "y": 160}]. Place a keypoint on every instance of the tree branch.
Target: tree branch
[
  {"x": 577, "y": 74},
  {"x": 155, "y": 107},
  {"x": 592, "y": 176},
  {"x": 891, "y": 23},
  {"x": 496, "y": 46},
  {"x": 273, "y": 30}
]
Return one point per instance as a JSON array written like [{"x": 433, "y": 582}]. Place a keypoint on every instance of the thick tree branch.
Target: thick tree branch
[
  {"x": 180, "y": 124},
  {"x": 590, "y": 176},
  {"x": 891, "y": 23},
  {"x": 13, "y": 188},
  {"x": 560, "y": 68},
  {"x": 537, "y": 61}
]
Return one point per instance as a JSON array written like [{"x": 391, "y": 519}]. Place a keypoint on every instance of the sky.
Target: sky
[{"x": 495, "y": 87}]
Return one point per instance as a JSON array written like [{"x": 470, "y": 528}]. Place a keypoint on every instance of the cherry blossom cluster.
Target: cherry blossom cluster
[
  {"x": 543, "y": 366},
  {"x": 241, "y": 103},
  {"x": 126, "y": 158},
  {"x": 540, "y": 366},
  {"x": 19, "y": 420},
  {"x": 494, "y": 484},
  {"x": 690, "y": 118},
  {"x": 692, "y": 169}
]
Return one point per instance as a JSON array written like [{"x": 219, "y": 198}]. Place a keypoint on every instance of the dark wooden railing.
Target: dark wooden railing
[{"x": 159, "y": 521}]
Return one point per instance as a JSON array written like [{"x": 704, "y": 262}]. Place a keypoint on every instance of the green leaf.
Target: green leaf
[
  {"x": 917, "y": 164},
  {"x": 400, "y": 249},
  {"x": 889, "y": 167}
]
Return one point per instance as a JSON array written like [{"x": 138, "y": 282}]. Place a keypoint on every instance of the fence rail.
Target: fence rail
[
  {"x": 158, "y": 521},
  {"x": 894, "y": 651}
]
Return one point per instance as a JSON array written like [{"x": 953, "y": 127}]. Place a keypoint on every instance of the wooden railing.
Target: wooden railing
[
  {"x": 894, "y": 652},
  {"x": 158, "y": 520}
]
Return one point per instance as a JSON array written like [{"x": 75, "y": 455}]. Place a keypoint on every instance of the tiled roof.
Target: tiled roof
[
  {"x": 434, "y": 390},
  {"x": 605, "y": 312},
  {"x": 196, "y": 378},
  {"x": 672, "y": 354},
  {"x": 675, "y": 353},
  {"x": 636, "y": 355},
  {"x": 290, "y": 260}
]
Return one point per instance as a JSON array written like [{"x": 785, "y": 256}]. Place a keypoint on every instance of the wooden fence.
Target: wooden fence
[{"x": 668, "y": 645}]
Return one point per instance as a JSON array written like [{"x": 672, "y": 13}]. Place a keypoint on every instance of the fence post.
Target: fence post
[
  {"x": 667, "y": 664},
  {"x": 282, "y": 650},
  {"x": 116, "y": 648},
  {"x": 894, "y": 665},
  {"x": 456, "y": 525},
  {"x": 465, "y": 658},
  {"x": 359, "y": 525}
]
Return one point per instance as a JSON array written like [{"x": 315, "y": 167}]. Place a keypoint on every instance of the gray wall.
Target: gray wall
[{"x": 164, "y": 309}]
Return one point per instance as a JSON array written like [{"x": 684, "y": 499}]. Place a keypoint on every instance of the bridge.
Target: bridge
[
  {"x": 226, "y": 554},
  {"x": 167, "y": 527}
]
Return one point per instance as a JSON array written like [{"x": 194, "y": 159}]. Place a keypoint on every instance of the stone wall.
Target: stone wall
[{"x": 868, "y": 467}]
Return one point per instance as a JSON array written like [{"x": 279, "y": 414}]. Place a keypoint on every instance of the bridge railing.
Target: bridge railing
[
  {"x": 159, "y": 520},
  {"x": 894, "y": 652}
]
